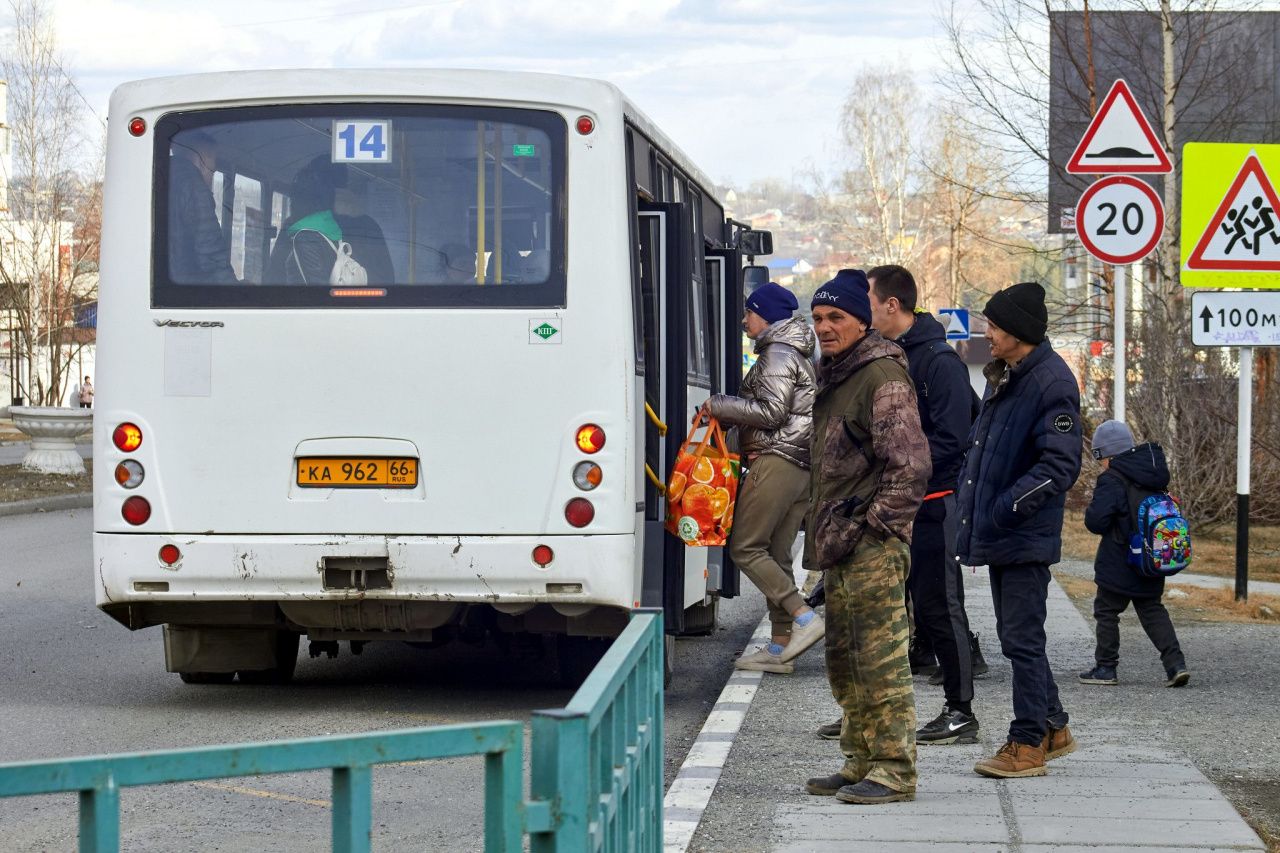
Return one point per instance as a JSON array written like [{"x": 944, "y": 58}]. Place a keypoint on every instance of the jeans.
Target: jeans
[{"x": 1020, "y": 593}]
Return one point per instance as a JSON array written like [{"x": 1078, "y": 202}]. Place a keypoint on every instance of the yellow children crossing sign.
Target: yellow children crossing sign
[{"x": 1230, "y": 215}]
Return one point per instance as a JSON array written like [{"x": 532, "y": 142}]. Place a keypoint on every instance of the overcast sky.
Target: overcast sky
[{"x": 749, "y": 88}]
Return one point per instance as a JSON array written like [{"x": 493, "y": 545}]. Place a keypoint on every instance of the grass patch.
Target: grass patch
[
  {"x": 19, "y": 485},
  {"x": 1214, "y": 553},
  {"x": 1199, "y": 605}
]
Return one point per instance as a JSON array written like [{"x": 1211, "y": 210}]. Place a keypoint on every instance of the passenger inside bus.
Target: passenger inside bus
[
  {"x": 198, "y": 252},
  {"x": 458, "y": 264},
  {"x": 308, "y": 246}
]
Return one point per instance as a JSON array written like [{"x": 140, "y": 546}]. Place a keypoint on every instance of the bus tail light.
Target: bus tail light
[
  {"x": 585, "y": 125},
  {"x": 130, "y": 474},
  {"x": 587, "y": 475},
  {"x": 137, "y": 125},
  {"x": 127, "y": 437},
  {"x": 543, "y": 555},
  {"x": 136, "y": 510},
  {"x": 579, "y": 512},
  {"x": 590, "y": 438},
  {"x": 169, "y": 554}
]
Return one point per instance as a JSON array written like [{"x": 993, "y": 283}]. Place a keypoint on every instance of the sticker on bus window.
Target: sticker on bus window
[
  {"x": 361, "y": 141},
  {"x": 524, "y": 151}
]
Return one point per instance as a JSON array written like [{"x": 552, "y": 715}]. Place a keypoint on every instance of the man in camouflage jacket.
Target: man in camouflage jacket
[{"x": 870, "y": 467}]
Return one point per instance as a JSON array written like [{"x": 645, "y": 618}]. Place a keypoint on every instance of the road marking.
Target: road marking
[
  {"x": 690, "y": 792},
  {"x": 266, "y": 795}
]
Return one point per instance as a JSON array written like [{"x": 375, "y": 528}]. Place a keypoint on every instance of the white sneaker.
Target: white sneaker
[
  {"x": 802, "y": 637},
  {"x": 761, "y": 661}
]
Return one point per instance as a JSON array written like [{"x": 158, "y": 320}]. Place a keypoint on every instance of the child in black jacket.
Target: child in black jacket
[{"x": 1109, "y": 515}]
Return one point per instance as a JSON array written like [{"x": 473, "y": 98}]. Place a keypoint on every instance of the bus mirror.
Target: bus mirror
[
  {"x": 754, "y": 276},
  {"x": 752, "y": 243}
]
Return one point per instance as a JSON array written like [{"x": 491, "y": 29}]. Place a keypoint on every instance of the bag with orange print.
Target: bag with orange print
[{"x": 702, "y": 489}]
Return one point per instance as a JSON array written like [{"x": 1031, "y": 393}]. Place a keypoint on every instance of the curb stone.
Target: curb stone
[{"x": 79, "y": 500}]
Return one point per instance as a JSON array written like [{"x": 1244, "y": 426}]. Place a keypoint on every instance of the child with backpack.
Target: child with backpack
[{"x": 1144, "y": 539}]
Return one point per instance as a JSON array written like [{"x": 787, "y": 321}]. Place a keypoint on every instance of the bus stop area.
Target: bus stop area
[{"x": 1137, "y": 780}]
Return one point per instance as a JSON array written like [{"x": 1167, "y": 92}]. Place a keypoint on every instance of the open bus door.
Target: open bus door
[
  {"x": 724, "y": 274},
  {"x": 664, "y": 275}
]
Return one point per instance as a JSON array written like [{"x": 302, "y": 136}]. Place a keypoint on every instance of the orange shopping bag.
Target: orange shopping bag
[{"x": 702, "y": 489}]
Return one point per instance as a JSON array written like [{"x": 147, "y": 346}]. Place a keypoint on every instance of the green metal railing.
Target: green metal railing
[{"x": 596, "y": 780}]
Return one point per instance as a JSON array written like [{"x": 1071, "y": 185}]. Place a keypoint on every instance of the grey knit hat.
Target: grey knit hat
[{"x": 1111, "y": 438}]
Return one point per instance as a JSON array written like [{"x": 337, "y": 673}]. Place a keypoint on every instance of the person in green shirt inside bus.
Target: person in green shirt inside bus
[{"x": 321, "y": 246}]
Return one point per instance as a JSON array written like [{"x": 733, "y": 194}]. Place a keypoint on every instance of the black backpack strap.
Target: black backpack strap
[{"x": 1135, "y": 495}]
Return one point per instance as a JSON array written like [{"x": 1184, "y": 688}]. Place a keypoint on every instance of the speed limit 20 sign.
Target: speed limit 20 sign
[{"x": 1119, "y": 219}]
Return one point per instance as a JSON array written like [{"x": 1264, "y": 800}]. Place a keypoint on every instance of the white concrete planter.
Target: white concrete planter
[{"x": 53, "y": 432}]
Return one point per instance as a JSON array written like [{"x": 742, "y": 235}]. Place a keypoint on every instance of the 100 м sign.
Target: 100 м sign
[{"x": 1235, "y": 319}]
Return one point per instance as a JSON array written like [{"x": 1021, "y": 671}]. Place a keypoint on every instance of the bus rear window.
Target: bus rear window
[{"x": 409, "y": 206}]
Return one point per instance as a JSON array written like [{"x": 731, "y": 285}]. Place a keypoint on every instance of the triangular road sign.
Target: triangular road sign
[
  {"x": 956, "y": 326},
  {"x": 1244, "y": 233},
  {"x": 1119, "y": 140}
]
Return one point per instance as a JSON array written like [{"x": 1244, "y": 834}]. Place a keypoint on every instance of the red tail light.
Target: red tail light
[
  {"x": 585, "y": 125},
  {"x": 136, "y": 510},
  {"x": 543, "y": 555},
  {"x": 590, "y": 438},
  {"x": 169, "y": 554},
  {"x": 579, "y": 512},
  {"x": 127, "y": 437},
  {"x": 137, "y": 126}
]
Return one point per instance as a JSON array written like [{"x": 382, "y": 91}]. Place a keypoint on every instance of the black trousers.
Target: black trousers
[
  {"x": 1107, "y": 607},
  {"x": 937, "y": 596},
  {"x": 1020, "y": 593}
]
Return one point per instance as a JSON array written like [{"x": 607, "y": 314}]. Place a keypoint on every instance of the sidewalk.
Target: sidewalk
[{"x": 1125, "y": 787}]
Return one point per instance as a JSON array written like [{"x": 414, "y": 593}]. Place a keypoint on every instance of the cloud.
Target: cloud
[{"x": 749, "y": 88}]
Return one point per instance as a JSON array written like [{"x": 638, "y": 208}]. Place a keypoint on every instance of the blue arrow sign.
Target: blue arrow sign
[{"x": 957, "y": 322}]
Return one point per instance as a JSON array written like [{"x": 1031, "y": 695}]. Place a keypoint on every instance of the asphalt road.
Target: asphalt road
[{"x": 74, "y": 682}]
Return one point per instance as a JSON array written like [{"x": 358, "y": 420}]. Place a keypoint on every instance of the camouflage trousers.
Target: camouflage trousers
[{"x": 867, "y": 663}]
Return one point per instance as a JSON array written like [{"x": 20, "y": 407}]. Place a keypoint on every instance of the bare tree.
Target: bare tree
[{"x": 48, "y": 234}]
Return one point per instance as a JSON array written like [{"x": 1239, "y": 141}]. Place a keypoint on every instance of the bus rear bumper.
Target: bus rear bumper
[{"x": 496, "y": 570}]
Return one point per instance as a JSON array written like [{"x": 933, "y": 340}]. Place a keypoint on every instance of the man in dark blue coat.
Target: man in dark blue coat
[
  {"x": 1023, "y": 456},
  {"x": 936, "y": 585},
  {"x": 1110, "y": 515}
]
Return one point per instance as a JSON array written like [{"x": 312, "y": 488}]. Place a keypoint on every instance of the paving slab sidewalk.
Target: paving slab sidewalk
[{"x": 1125, "y": 788}]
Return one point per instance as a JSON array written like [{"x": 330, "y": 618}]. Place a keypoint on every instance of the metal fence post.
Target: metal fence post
[
  {"x": 503, "y": 800},
  {"x": 100, "y": 818},
  {"x": 352, "y": 809},
  {"x": 560, "y": 775}
]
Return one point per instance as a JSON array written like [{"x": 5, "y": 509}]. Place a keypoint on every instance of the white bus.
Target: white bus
[{"x": 375, "y": 351}]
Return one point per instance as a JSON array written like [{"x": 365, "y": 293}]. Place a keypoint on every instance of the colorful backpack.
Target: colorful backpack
[{"x": 1160, "y": 541}]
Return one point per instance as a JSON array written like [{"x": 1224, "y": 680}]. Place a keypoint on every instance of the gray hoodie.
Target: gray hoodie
[{"x": 774, "y": 413}]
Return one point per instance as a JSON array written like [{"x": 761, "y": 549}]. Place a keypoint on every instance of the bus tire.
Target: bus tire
[
  {"x": 700, "y": 620},
  {"x": 576, "y": 657},
  {"x": 286, "y": 662},
  {"x": 206, "y": 677}
]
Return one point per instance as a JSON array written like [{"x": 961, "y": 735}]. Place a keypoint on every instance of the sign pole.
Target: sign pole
[
  {"x": 1120, "y": 276},
  {"x": 1243, "y": 435}
]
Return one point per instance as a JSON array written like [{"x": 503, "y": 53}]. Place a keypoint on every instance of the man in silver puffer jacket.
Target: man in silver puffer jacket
[{"x": 774, "y": 417}]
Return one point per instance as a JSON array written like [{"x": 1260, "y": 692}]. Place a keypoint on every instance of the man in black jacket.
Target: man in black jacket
[
  {"x": 1023, "y": 456},
  {"x": 198, "y": 253},
  {"x": 936, "y": 585},
  {"x": 1110, "y": 515}
]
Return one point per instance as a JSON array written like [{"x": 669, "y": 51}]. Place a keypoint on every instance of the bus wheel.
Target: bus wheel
[
  {"x": 286, "y": 661},
  {"x": 577, "y": 656},
  {"x": 668, "y": 659},
  {"x": 206, "y": 677},
  {"x": 700, "y": 620}
]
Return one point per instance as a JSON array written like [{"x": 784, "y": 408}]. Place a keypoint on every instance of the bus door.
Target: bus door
[
  {"x": 663, "y": 293},
  {"x": 724, "y": 278}
]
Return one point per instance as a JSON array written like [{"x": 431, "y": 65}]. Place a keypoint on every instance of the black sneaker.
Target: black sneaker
[
  {"x": 867, "y": 792},
  {"x": 950, "y": 726},
  {"x": 1177, "y": 676},
  {"x": 1100, "y": 675},
  {"x": 922, "y": 662},
  {"x": 831, "y": 731}
]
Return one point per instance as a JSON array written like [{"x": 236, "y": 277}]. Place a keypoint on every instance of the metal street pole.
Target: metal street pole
[
  {"x": 1243, "y": 435},
  {"x": 1118, "y": 345}
]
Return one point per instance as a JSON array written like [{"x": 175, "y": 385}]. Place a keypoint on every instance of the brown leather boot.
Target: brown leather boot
[
  {"x": 1057, "y": 742},
  {"x": 1013, "y": 761}
]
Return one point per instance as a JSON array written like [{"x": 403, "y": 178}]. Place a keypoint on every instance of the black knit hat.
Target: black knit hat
[
  {"x": 849, "y": 291},
  {"x": 1019, "y": 310}
]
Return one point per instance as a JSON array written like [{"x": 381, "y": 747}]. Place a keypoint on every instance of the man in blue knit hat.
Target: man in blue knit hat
[
  {"x": 870, "y": 467},
  {"x": 774, "y": 417}
]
